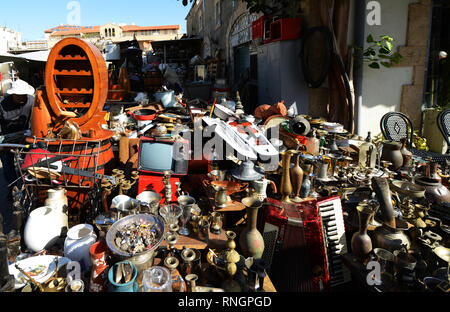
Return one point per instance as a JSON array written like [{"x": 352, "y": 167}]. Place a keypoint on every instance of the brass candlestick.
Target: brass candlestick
[{"x": 167, "y": 186}]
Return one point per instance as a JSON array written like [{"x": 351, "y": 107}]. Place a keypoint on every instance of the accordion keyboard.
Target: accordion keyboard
[{"x": 335, "y": 241}]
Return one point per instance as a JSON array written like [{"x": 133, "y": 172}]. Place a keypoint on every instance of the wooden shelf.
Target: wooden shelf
[
  {"x": 71, "y": 58},
  {"x": 73, "y": 73},
  {"x": 77, "y": 105},
  {"x": 74, "y": 91}
]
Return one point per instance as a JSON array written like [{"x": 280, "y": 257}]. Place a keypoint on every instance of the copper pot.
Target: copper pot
[
  {"x": 435, "y": 191},
  {"x": 390, "y": 238}
]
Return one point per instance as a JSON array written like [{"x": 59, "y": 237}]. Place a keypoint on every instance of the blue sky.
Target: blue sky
[{"x": 32, "y": 18}]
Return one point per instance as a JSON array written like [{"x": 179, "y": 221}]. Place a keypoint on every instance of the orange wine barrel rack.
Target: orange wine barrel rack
[
  {"x": 76, "y": 79},
  {"x": 76, "y": 89}
]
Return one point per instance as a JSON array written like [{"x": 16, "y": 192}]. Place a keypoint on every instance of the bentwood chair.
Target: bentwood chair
[
  {"x": 443, "y": 122},
  {"x": 396, "y": 126}
]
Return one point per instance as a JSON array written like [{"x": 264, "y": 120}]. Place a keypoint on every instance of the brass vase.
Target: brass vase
[
  {"x": 361, "y": 242},
  {"x": 297, "y": 177},
  {"x": 251, "y": 240},
  {"x": 286, "y": 186}
]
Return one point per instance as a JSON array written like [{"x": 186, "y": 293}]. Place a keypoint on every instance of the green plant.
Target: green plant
[{"x": 380, "y": 53}]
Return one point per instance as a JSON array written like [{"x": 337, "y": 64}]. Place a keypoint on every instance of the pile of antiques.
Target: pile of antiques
[{"x": 200, "y": 197}]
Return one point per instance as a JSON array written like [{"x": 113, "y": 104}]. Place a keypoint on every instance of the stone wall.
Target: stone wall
[{"x": 415, "y": 54}]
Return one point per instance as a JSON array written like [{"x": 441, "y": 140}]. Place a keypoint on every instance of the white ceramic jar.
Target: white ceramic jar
[
  {"x": 58, "y": 201},
  {"x": 42, "y": 229},
  {"x": 76, "y": 246}
]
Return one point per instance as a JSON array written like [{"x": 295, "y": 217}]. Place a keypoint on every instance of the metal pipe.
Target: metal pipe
[{"x": 359, "y": 39}]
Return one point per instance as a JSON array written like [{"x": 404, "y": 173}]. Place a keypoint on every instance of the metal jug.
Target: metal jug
[{"x": 260, "y": 187}]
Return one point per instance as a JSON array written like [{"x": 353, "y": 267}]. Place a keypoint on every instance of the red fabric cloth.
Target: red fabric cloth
[
  {"x": 265, "y": 111},
  {"x": 260, "y": 111}
]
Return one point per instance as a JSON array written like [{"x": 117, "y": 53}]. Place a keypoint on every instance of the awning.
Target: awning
[{"x": 37, "y": 56}]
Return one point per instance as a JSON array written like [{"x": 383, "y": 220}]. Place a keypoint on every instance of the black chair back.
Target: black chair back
[
  {"x": 443, "y": 122},
  {"x": 396, "y": 126}
]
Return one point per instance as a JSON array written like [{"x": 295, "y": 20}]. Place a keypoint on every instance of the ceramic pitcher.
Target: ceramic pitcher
[
  {"x": 57, "y": 200},
  {"x": 260, "y": 187},
  {"x": 42, "y": 229},
  {"x": 76, "y": 246}
]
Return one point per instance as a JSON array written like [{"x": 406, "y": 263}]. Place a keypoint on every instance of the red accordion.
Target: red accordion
[{"x": 304, "y": 243}]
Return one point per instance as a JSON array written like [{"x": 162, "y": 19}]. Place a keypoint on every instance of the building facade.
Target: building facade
[
  {"x": 9, "y": 40},
  {"x": 114, "y": 33},
  {"x": 225, "y": 27},
  {"x": 420, "y": 33}
]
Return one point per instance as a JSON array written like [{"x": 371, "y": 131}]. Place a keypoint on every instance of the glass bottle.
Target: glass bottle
[
  {"x": 312, "y": 144},
  {"x": 367, "y": 153},
  {"x": 157, "y": 279},
  {"x": 306, "y": 187}
]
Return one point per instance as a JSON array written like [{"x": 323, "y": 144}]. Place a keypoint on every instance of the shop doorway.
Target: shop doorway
[{"x": 437, "y": 89}]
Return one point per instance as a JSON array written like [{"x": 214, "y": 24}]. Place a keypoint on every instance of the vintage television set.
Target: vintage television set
[
  {"x": 157, "y": 156},
  {"x": 304, "y": 243}
]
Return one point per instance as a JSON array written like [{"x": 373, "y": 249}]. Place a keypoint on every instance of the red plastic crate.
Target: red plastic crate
[
  {"x": 285, "y": 29},
  {"x": 258, "y": 28}
]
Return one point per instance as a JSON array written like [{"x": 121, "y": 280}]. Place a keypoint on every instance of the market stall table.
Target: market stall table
[{"x": 215, "y": 241}]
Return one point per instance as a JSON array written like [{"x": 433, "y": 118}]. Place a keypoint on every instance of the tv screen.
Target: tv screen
[{"x": 159, "y": 157}]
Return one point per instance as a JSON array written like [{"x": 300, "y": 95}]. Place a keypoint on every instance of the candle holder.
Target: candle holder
[
  {"x": 216, "y": 218},
  {"x": 186, "y": 203}
]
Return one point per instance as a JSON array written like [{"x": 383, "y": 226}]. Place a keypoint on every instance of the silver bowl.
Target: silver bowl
[
  {"x": 150, "y": 199},
  {"x": 124, "y": 203},
  {"x": 119, "y": 225}
]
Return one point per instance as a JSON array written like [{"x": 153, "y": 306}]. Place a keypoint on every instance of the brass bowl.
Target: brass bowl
[
  {"x": 408, "y": 188},
  {"x": 443, "y": 253}
]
